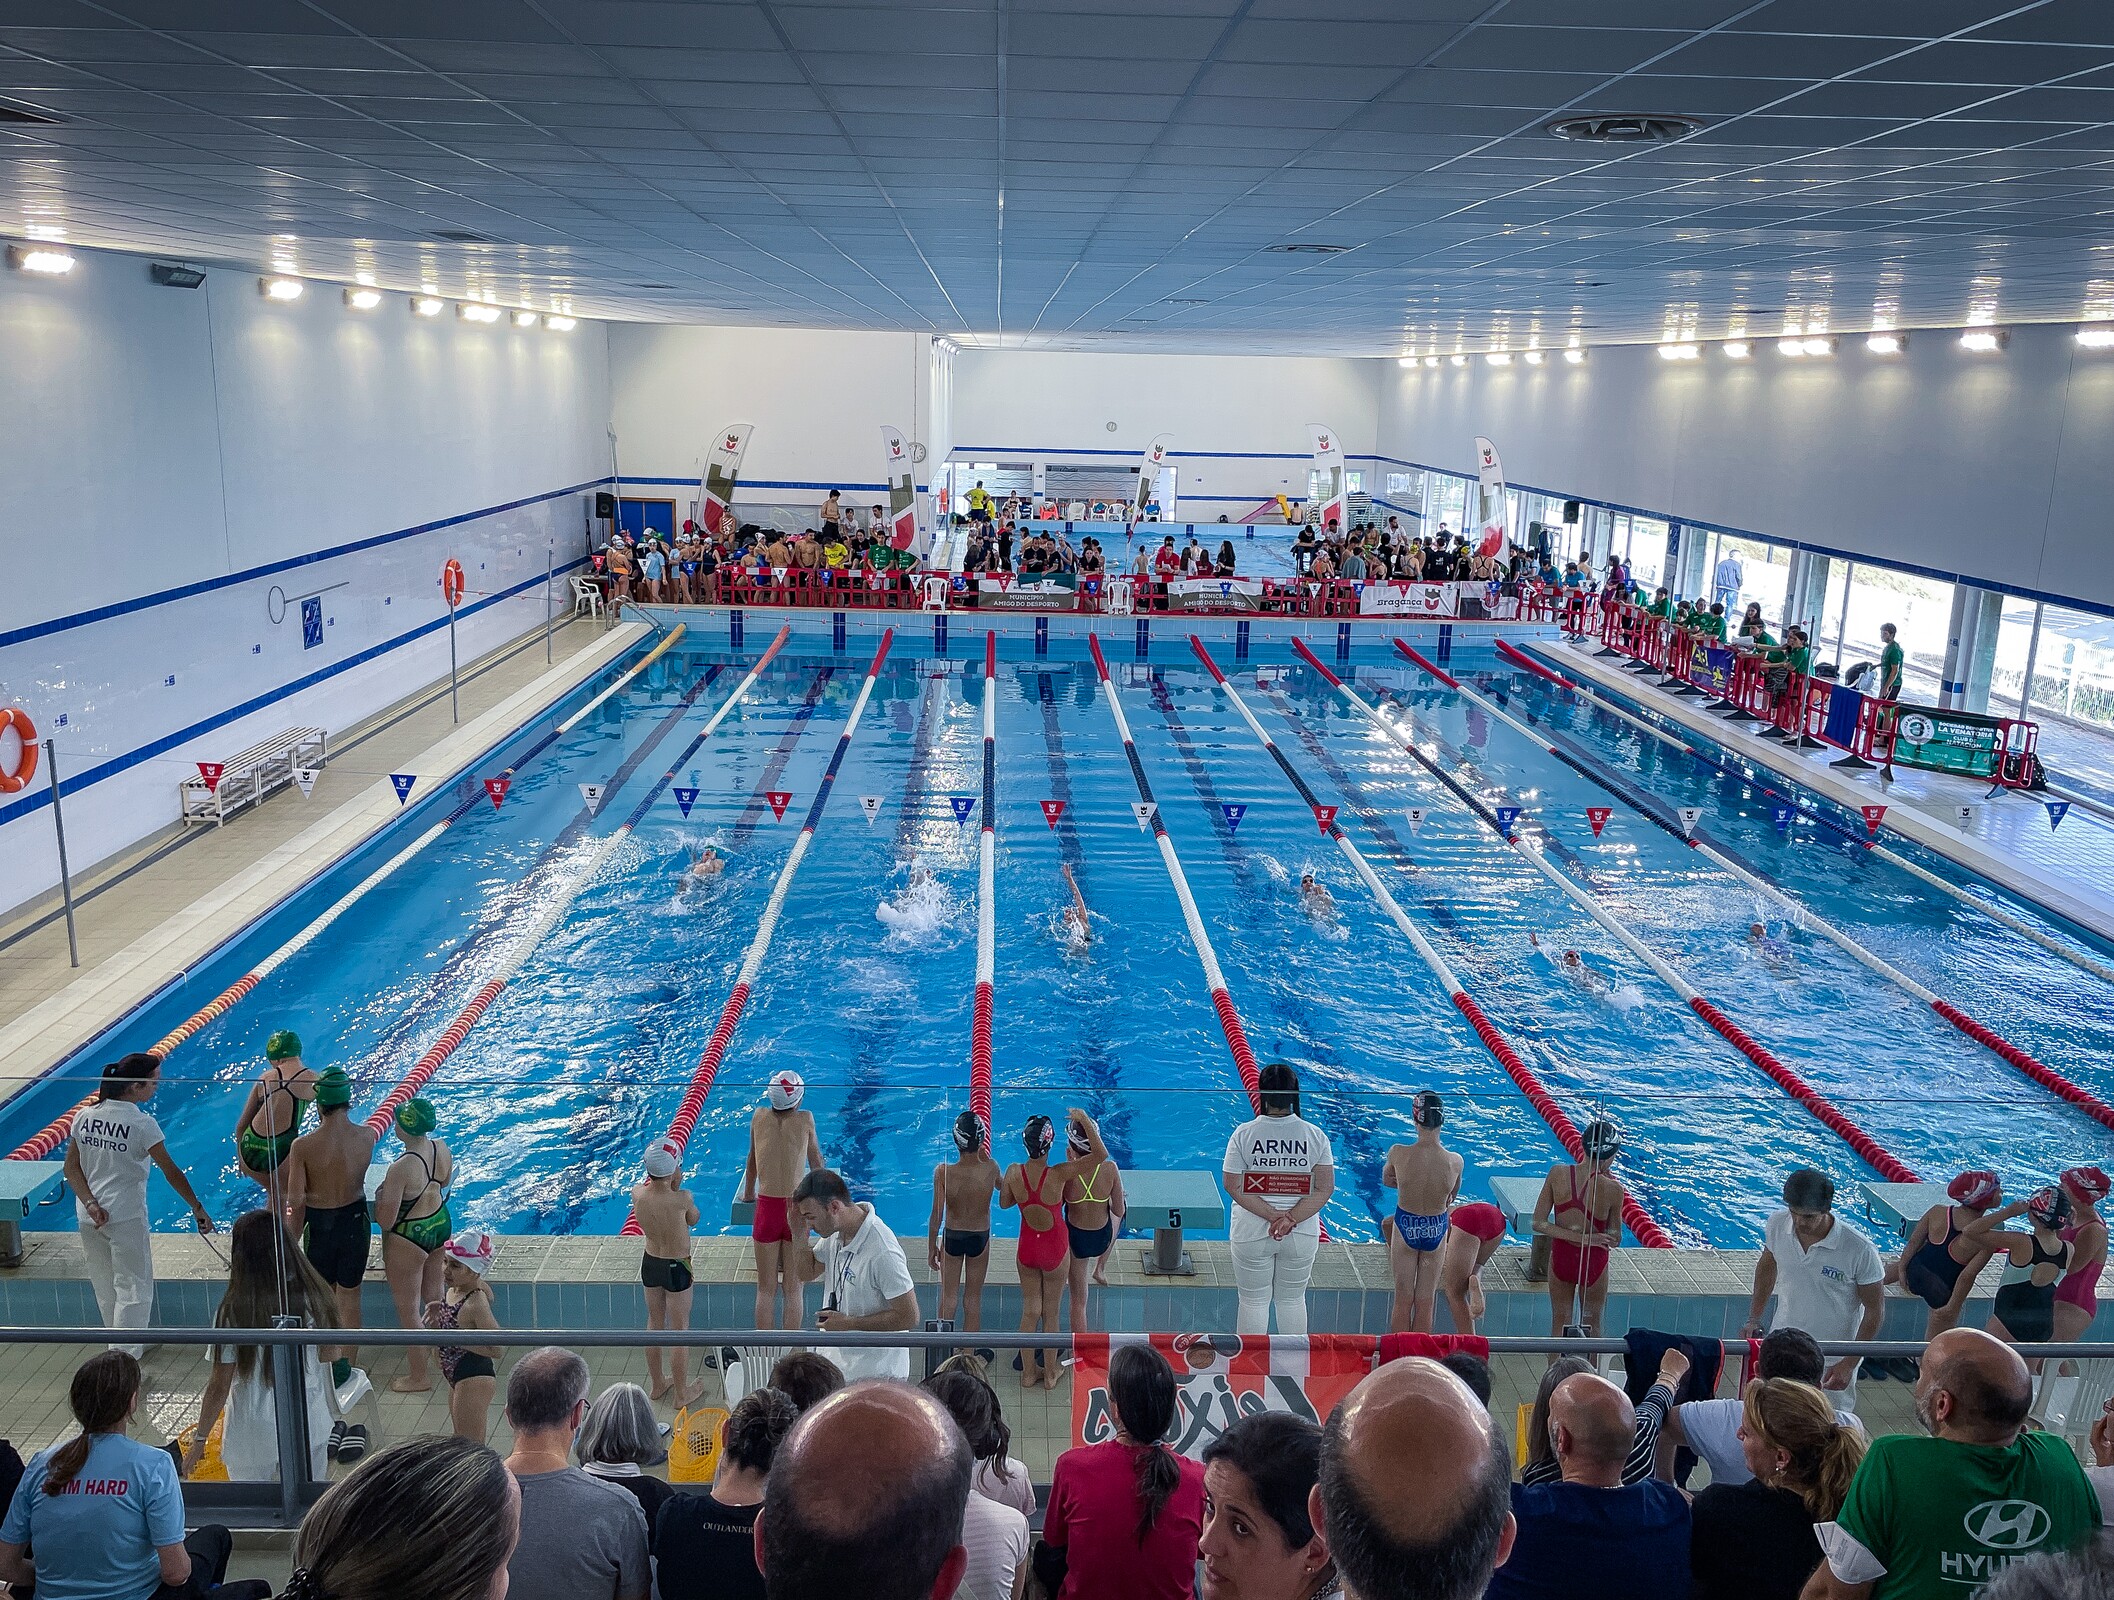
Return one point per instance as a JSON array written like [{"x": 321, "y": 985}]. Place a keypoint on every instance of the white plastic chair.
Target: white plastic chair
[
  {"x": 2069, "y": 1404},
  {"x": 587, "y": 598}
]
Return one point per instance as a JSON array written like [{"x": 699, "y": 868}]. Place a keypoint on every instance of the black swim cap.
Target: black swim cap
[
  {"x": 970, "y": 1132},
  {"x": 1602, "y": 1139},
  {"x": 1038, "y": 1136},
  {"x": 1426, "y": 1110}
]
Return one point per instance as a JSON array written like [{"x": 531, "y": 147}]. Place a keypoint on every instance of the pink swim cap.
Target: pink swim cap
[
  {"x": 2087, "y": 1183},
  {"x": 1975, "y": 1189}
]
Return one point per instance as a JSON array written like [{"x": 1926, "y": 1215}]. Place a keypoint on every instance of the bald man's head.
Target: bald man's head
[
  {"x": 1593, "y": 1424},
  {"x": 865, "y": 1498},
  {"x": 1415, "y": 1490},
  {"x": 1973, "y": 1388}
]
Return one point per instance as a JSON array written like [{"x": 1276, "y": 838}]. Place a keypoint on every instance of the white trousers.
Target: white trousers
[
  {"x": 121, "y": 1267},
  {"x": 1273, "y": 1272}
]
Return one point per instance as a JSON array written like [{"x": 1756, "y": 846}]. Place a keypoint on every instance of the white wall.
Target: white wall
[
  {"x": 1991, "y": 467},
  {"x": 1239, "y": 422},
  {"x": 175, "y": 464},
  {"x": 817, "y": 399}
]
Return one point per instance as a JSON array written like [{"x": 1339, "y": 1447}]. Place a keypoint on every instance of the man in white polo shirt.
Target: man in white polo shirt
[
  {"x": 1825, "y": 1274},
  {"x": 866, "y": 1286}
]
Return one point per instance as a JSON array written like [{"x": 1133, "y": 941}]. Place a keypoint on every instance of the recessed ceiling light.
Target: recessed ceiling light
[
  {"x": 1574, "y": 356},
  {"x": 281, "y": 288},
  {"x": 1737, "y": 349},
  {"x": 2096, "y": 338},
  {"x": 1625, "y": 128},
  {"x": 363, "y": 299},
  {"x": 1983, "y": 340},
  {"x": 474, "y": 311},
  {"x": 526, "y": 319},
  {"x": 559, "y": 324},
  {"x": 1405, "y": 361},
  {"x": 1458, "y": 359},
  {"x": 1499, "y": 358},
  {"x": 426, "y": 305},
  {"x": 51, "y": 262},
  {"x": 1679, "y": 352},
  {"x": 1884, "y": 342},
  {"x": 1431, "y": 361},
  {"x": 176, "y": 274}
]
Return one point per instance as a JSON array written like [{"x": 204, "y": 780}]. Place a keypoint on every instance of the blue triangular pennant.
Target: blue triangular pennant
[
  {"x": 963, "y": 804},
  {"x": 1506, "y": 816},
  {"x": 2057, "y": 810},
  {"x": 686, "y": 798},
  {"x": 1781, "y": 815},
  {"x": 1234, "y": 812},
  {"x": 403, "y": 782}
]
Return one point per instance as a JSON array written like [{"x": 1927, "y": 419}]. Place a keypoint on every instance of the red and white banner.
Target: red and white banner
[
  {"x": 1220, "y": 1378},
  {"x": 1491, "y": 508},
  {"x": 715, "y": 501},
  {"x": 1330, "y": 502},
  {"x": 1149, "y": 472},
  {"x": 900, "y": 473}
]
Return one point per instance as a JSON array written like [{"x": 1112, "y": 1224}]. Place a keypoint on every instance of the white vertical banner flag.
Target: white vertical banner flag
[
  {"x": 1330, "y": 502},
  {"x": 1491, "y": 515},
  {"x": 901, "y": 474},
  {"x": 715, "y": 497},
  {"x": 1149, "y": 470}
]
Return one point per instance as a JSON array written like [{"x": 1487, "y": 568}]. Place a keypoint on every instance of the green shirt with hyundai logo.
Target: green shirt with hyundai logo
[{"x": 1944, "y": 1518}]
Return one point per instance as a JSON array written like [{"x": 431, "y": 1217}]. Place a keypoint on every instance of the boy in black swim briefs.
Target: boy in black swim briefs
[
  {"x": 666, "y": 1214},
  {"x": 958, "y": 1235}
]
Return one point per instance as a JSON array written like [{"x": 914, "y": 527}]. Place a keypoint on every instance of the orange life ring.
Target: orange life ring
[
  {"x": 451, "y": 583},
  {"x": 25, "y": 768}
]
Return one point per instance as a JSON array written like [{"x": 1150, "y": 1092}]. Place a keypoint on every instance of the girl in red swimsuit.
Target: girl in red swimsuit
[
  {"x": 2077, "y": 1296},
  {"x": 1036, "y": 1185},
  {"x": 1580, "y": 1213}
]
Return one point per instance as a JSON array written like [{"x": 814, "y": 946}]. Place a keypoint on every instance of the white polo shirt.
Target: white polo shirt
[
  {"x": 1816, "y": 1289},
  {"x": 115, "y": 1139},
  {"x": 861, "y": 1278}
]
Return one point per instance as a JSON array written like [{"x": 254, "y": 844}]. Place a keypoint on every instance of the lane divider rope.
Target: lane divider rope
[
  {"x": 1980, "y": 1032},
  {"x": 2025, "y": 930},
  {"x": 986, "y": 900},
  {"x": 517, "y": 952},
  {"x": 53, "y": 1134},
  {"x": 692, "y": 1106},
  {"x": 1647, "y": 1230},
  {"x": 1862, "y": 1142},
  {"x": 1214, "y": 979}
]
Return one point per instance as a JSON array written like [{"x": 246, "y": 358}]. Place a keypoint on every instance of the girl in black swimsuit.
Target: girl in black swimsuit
[
  {"x": 1931, "y": 1268},
  {"x": 2025, "y": 1306}
]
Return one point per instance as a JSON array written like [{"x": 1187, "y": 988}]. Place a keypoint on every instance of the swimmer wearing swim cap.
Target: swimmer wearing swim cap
[
  {"x": 1938, "y": 1262},
  {"x": 2077, "y": 1296},
  {"x": 705, "y": 863},
  {"x": 783, "y": 1149},
  {"x": 324, "y": 1181},
  {"x": 1315, "y": 898},
  {"x": 271, "y": 1112},
  {"x": 1426, "y": 1178},
  {"x": 412, "y": 1207},
  {"x": 666, "y": 1213},
  {"x": 958, "y": 1233},
  {"x": 1579, "y": 1211}
]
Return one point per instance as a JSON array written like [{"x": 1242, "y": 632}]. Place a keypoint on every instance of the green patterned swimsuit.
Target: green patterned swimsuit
[{"x": 434, "y": 1229}]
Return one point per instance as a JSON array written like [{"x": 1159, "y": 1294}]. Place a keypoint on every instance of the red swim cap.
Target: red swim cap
[
  {"x": 1975, "y": 1189},
  {"x": 2087, "y": 1183}
]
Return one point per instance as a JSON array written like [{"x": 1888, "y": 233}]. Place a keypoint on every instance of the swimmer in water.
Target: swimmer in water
[
  {"x": 705, "y": 863},
  {"x": 1315, "y": 899},
  {"x": 1773, "y": 951},
  {"x": 1573, "y": 966},
  {"x": 1077, "y": 929}
]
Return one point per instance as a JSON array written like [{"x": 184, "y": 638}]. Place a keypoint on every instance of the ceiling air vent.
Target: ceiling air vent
[
  {"x": 10, "y": 112},
  {"x": 1625, "y": 129},
  {"x": 1308, "y": 249},
  {"x": 457, "y": 236}
]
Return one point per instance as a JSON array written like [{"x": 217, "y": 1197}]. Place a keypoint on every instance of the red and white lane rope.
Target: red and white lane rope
[
  {"x": 1214, "y": 980},
  {"x": 1648, "y": 1232},
  {"x": 1996, "y": 914},
  {"x": 2046, "y": 1076},
  {"x": 518, "y": 949},
  {"x": 53, "y": 1134},
  {"x": 986, "y": 895},
  {"x": 1792, "y": 1084},
  {"x": 684, "y": 1122}
]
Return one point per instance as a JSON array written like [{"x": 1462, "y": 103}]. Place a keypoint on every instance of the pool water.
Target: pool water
[{"x": 554, "y": 1096}]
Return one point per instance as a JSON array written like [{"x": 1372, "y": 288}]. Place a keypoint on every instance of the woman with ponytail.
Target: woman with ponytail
[
  {"x": 1755, "y": 1541},
  {"x": 1125, "y": 1516},
  {"x": 996, "y": 1536},
  {"x": 105, "y": 1513}
]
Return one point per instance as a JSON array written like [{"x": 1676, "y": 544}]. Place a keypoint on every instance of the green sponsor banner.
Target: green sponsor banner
[{"x": 1946, "y": 741}]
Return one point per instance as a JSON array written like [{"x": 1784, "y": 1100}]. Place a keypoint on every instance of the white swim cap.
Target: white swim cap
[
  {"x": 662, "y": 1161},
  {"x": 786, "y": 1090}
]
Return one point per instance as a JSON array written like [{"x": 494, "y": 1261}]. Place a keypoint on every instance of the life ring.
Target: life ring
[
  {"x": 451, "y": 583},
  {"x": 26, "y": 762}
]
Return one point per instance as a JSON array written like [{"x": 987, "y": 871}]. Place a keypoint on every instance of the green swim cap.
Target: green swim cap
[
  {"x": 333, "y": 1089},
  {"x": 415, "y": 1117},
  {"x": 282, "y": 1044}
]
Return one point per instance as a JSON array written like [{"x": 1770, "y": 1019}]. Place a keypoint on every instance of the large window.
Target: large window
[
  {"x": 1921, "y": 611},
  {"x": 2073, "y": 670}
]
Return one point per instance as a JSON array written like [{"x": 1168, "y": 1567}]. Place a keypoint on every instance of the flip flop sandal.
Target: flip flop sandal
[
  {"x": 355, "y": 1444},
  {"x": 337, "y": 1439}
]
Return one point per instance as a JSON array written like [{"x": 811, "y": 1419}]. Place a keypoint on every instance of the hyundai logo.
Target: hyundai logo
[{"x": 2007, "y": 1524}]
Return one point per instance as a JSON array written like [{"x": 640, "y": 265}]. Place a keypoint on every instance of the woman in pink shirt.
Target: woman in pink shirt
[{"x": 1125, "y": 1516}]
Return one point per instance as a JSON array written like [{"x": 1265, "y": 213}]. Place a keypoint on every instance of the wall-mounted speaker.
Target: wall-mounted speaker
[
  {"x": 1571, "y": 511},
  {"x": 605, "y": 504}
]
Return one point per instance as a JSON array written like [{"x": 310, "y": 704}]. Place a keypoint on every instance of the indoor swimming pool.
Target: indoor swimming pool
[{"x": 581, "y": 1061}]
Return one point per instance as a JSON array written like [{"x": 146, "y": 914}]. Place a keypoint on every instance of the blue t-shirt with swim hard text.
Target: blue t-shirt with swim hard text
[{"x": 97, "y": 1539}]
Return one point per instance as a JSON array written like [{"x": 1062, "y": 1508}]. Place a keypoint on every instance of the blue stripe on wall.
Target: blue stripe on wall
[
  {"x": 119, "y": 608},
  {"x": 77, "y": 781}
]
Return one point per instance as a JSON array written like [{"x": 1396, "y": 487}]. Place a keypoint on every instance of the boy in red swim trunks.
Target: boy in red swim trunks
[
  {"x": 782, "y": 1150},
  {"x": 1472, "y": 1237}
]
